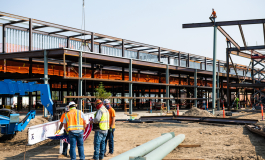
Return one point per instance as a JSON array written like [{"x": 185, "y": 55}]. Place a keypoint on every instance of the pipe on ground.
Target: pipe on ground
[
  {"x": 145, "y": 148},
  {"x": 163, "y": 150}
]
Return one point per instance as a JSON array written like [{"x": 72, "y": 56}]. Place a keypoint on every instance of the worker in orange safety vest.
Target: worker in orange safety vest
[{"x": 75, "y": 124}]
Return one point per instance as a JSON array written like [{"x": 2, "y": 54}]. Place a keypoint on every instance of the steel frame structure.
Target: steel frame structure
[
  {"x": 88, "y": 59},
  {"x": 237, "y": 50}
]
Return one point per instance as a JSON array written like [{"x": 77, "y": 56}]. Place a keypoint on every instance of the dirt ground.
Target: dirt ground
[{"x": 217, "y": 142}]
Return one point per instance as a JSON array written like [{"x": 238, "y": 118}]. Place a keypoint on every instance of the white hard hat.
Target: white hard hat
[
  {"x": 72, "y": 104},
  {"x": 106, "y": 101}
]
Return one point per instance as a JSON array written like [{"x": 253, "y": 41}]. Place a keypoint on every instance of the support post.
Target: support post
[
  {"x": 68, "y": 42},
  {"x": 30, "y": 62},
  {"x": 4, "y": 39},
  {"x": 168, "y": 60},
  {"x": 227, "y": 80},
  {"x": 130, "y": 88},
  {"x": 99, "y": 46},
  {"x": 92, "y": 41},
  {"x": 80, "y": 81},
  {"x": 214, "y": 67},
  {"x": 188, "y": 61},
  {"x": 138, "y": 54},
  {"x": 167, "y": 88},
  {"x": 122, "y": 48},
  {"x": 205, "y": 63},
  {"x": 195, "y": 87},
  {"x": 159, "y": 55},
  {"x": 218, "y": 90},
  {"x": 179, "y": 59},
  {"x": 45, "y": 76}
]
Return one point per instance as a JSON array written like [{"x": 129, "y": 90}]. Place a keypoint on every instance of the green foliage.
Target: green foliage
[{"x": 101, "y": 93}]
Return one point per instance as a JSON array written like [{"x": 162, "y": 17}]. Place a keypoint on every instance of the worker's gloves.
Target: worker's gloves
[{"x": 57, "y": 132}]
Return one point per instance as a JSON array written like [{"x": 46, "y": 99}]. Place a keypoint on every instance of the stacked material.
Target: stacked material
[{"x": 198, "y": 112}]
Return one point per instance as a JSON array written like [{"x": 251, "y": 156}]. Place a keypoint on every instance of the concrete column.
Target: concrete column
[
  {"x": 130, "y": 88},
  {"x": 45, "y": 76},
  {"x": 167, "y": 87},
  {"x": 80, "y": 81},
  {"x": 195, "y": 88}
]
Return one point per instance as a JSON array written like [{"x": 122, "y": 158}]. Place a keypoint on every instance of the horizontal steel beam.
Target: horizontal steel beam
[
  {"x": 14, "y": 22},
  {"x": 224, "y": 23},
  {"x": 247, "y": 48}
]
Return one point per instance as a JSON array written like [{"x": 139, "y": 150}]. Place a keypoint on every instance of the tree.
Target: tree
[{"x": 101, "y": 93}]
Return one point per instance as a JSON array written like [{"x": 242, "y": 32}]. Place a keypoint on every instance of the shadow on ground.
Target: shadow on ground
[
  {"x": 35, "y": 152},
  {"x": 257, "y": 141}
]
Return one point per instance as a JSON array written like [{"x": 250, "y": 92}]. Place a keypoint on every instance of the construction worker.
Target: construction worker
[
  {"x": 75, "y": 124},
  {"x": 65, "y": 145},
  {"x": 111, "y": 130},
  {"x": 213, "y": 16},
  {"x": 101, "y": 127}
]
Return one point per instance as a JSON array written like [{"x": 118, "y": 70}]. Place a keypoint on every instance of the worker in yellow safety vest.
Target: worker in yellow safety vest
[
  {"x": 101, "y": 127},
  {"x": 75, "y": 124}
]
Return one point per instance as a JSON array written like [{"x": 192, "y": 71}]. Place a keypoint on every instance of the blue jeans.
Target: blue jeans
[
  {"x": 99, "y": 145},
  {"x": 109, "y": 138},
  {"x": 76, "y": 138},
  {"x": 65, "y": 145}
]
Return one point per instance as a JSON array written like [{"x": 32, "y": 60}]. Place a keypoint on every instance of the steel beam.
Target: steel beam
[
  {"x": 247, "y": 48},
  {"x": 130, "y": 88},
  {"x": 14, "y": 22},
  {"x": 224, "y": 23},
  {"x": 242, "y": 35},
  {"x": 80, "y": 81},
  {"x": 195, "y": 89},
  {"x": 56, "y": 32},
  {"x": 228, "y": 37}
]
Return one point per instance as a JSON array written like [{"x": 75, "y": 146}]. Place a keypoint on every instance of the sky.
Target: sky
[{"x": 154, "y": 22}]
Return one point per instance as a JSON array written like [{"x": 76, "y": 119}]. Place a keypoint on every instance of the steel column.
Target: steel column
[
  {"x": 99, "y": 46},
  {"x": 45, "y": 76},
  {"x": 195, "y": 88},
  {"x": 159, "y": 54},
  {"x": 122, "y": 48},
  {"x": 130, "y": 88},
  {"x": 92, "y": 41},
  {"x": 227, "y": 79},
  {"x": 214, "y": 67},
  {"x": 218, "y": 90},
  {"x": 188, "y": 61},
  {"x": 4, "y": 39},
  {"x": 30, "y": 62},
  {"x": 68, "y": 42},
  {"x": 205, "y": 63},
  {"x": 167, "y": 88},
  {"x": 80, "y": 81},
  {"x": 179, "y": 59},
  {"x": 168, "y": 60},
  {"x": 138, "y": 54}
]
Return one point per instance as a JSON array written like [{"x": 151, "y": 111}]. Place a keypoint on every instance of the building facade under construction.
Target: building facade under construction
[{"x": 138, "y": 75}]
